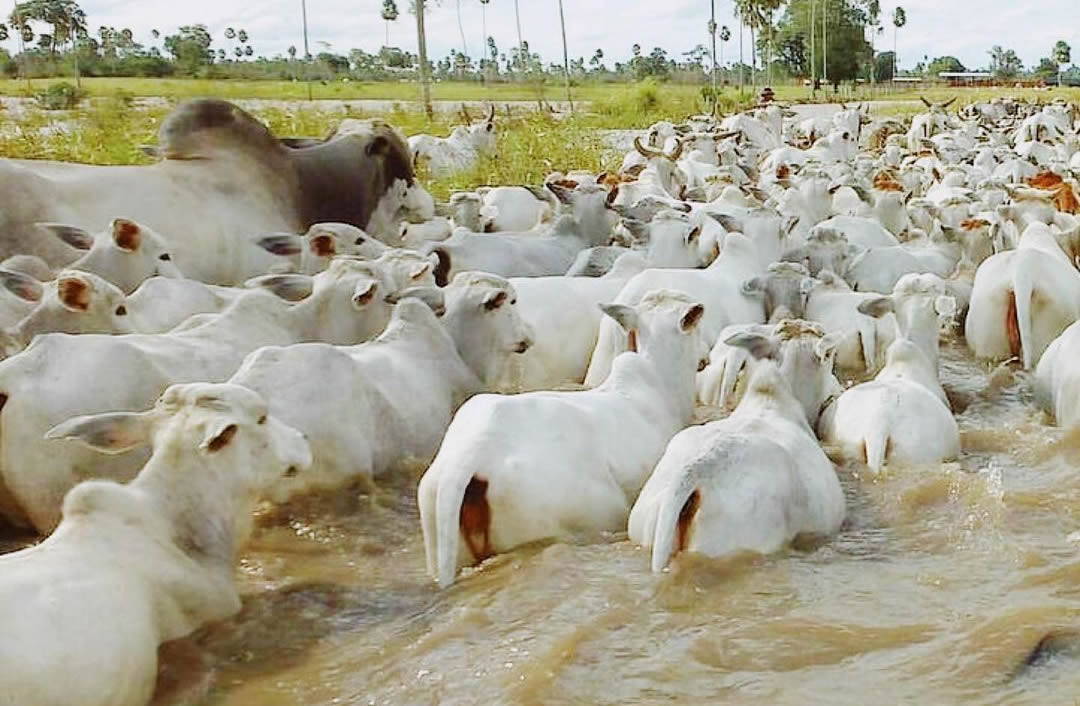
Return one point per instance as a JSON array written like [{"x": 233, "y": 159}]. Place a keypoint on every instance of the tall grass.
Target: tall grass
[{"x": 111, "y": 131}]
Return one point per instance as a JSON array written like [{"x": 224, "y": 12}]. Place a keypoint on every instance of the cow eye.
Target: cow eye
[
  {"x": 166, "y": 257},
  {"x": 262, "y": 419},
  {"x": 121, "y": 310}
]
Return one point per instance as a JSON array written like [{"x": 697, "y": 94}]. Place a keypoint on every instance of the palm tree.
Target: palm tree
[
  {"x": 712, "y": 36},
  {"x": 461, "y": 30},
  {"x": 483, "y": 17},
  {"x": 389, "y": 14},
  {"x": 873, "y": 15},
  {"x": 521, "y": 42},
  {"x": 725, "y": 35},
  {"x": 899, "y": 19}
]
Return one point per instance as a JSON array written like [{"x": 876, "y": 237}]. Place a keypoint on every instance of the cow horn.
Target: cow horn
[
  {"x": 927, "y": 103},
  {"x": 679, "y": 144},
  {"x": 491, "y": 114},
  {"x": 465, "y": 114},
  {"x": 644, "y": 151},
  {"x": 947, "y": 103}
]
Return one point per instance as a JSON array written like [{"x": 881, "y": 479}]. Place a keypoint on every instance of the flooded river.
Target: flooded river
[{"x": 938, "y": 588}]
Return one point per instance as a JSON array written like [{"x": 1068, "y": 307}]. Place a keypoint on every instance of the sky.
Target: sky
[{"x": 962, "y": 28}]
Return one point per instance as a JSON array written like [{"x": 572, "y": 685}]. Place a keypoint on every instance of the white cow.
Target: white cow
[
  {"x": 720, "y": 286},
  {"x": 515, "y": 469},
  {"x": 458, "y": 152},
  {"x": 900, "y": 417},
  {"x": 1057, "y": 378},
  {"x": 564, "y": 315},
  {"x": 515, "y": 208},
  {"x": 60, "y": 376},
  {"x": 532, "y": 254},
  {"x": 133, "y": 566},
  {"x": 311, "y": 253},
  {"x": 757, "y": 480},
  {"x": 76, "y": 302},
  {"x": 125, "y": 253},
  {"x": 367, "y": 409},
  {"x": 1023, "y": 299}
]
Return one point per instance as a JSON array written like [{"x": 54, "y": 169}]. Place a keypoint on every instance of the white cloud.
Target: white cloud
[{"x": 962, "y": 28}]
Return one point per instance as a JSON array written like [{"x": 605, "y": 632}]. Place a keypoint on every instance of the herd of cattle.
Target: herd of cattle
[{"x": 543, "y": 348}]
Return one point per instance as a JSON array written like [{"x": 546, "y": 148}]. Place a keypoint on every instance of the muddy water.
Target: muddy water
[{"x": 940, "y": 584}]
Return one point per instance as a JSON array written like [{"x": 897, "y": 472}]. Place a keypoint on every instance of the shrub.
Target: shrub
[{"x": 60, "y": 96}]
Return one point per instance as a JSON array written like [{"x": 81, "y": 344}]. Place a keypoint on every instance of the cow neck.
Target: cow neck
[{"x": 337, "y": 183}]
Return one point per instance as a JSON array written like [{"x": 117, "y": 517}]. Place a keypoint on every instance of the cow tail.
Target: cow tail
[
  {"x": 673, "y": 524},
  {"x": 462, "y": 510},
  {"x": 1018, "y": 318}
]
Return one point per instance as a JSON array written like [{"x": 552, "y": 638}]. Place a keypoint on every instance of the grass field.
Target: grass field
[{"x": 109, "y": 130}]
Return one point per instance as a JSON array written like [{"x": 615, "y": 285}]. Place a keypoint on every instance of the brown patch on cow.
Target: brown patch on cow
[
  {"x": 1064, "y": 197},
  {"x": 783, "y": 172},
  {"x": 565, "y": 183},
  {"x": 475, "y": 519},
  {"x": 126, "y": 234},
  {"x": 613, "y": 194},
  {"x": 1046, "y": 179},
  {"x": 974, "y": 224},
  {"x": 222, "y": 440},
  {"x": 686, "y": 519},
  {"x": 74, "y": 292},
  {"x": 631, "y": 341},
  {"x": 324, "y": 246},
  {"x": 1012, "y": 327},
  {"x": 883, "y": 181}
]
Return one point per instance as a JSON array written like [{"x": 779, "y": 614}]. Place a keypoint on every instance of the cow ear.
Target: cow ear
[
  {"x": 112, "y": 433},
  {"x": 73, "y": 236},
  {"x": 74, "y": 292},
  {"x": 217, "y": 436},
  {"x": 757, "y": 345},
  {"x": 126, "y": 234},
  {"x": 877, "y": 307},
  {"x": 21, "y": 285},
  {"x": 693, "y": 235},
  {"x": 290, "y": 287},
  {"x": 378, "y": 146},
  {"x": 754, "y": 287},
  {"x": 323, "y": 245},
  {"x": 494, "y": 300},
  {"x": 638, "y": 230},
  {"x": 827, "y": 346},
  {"x": 562, "y": 193},
  {"x": 624, "y": 315},
  {"x": 726, "y": 222},
  {"x": 364, "y": 293},
  {"x": 691, "y": 318},
  {"x": 283, "y": 244}
]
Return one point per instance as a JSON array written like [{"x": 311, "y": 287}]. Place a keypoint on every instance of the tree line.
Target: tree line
[{"x": 827, "y": 41}]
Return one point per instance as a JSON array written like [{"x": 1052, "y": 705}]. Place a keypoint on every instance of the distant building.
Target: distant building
[{"x": 967, "y": 78}]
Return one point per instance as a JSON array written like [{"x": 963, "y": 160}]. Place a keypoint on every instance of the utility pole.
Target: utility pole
[
  {"x": 565, "y": 57},
  {"x": 307, "y": 53},
  {"x": 712, "y": 32},
  {"x": 825, "y": 42},
  {"x": 425, "y": 80},
  {"x": 813, "y": 46}
]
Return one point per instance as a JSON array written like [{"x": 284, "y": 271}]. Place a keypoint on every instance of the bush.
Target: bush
[{"x": 60, "y": 96}]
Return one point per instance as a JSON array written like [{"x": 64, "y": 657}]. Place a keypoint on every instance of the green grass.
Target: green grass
[
  {"x": 531, "y": 144},
  {"x": 111, "y": 132}
]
